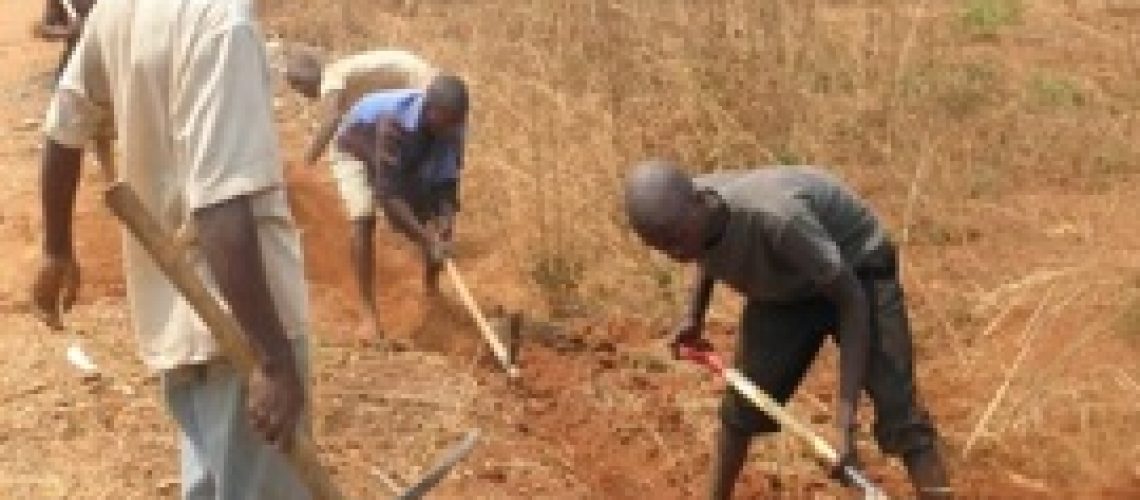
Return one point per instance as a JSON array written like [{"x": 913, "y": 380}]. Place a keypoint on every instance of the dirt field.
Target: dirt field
[{"x": 1000, "y": 140}]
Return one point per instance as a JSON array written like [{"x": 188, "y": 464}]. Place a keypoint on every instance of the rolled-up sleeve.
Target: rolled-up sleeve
[
  {"x": 224, "y": 119},
  {"x": 81, "y": 109}
]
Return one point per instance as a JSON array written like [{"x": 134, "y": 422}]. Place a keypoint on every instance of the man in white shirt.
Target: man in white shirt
[{"x": 192, "y": 114}]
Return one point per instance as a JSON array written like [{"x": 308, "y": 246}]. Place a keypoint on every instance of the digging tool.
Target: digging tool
[
  {"x": 484, "y": 327},
  {"x": 129, "y": 209},
  {"x": 72, "y": 14},
  {"x": 782, "y": 416},
  {"x": 438, "y": 471}
]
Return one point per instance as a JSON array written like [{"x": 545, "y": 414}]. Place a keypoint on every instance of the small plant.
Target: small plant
[
  {"x": 984, "y": 181},
  {"x": 967, "y": 88},
  {"x": 987, "y": 17},
  {"x": 784, "y": 155},
  {"x": 559, "y": 278},
  {"x": 1055, "y": 91}
]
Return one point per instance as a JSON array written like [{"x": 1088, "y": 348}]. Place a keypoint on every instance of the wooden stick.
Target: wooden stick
[
  {"x": 70, "y": 8},
  {"x": 436, "y": 474},
  {"x": 1027, "y": 341},
  {"x": 765, "y": 403},
  {"x": 484, "y": 327},
  {"x": 129, "y": 209}
]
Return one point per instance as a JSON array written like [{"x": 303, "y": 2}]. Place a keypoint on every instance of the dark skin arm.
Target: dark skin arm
[
  {"x": 331, "y": 108},
  {"x": 689, "y": 331},
  {"x": 57, "y": 281},
  {"x": 57, "y": 24},
  {"x": 854, "y": 345},
  {"x": 227, "y": 233},
  {"x": 230, "y": 243}
]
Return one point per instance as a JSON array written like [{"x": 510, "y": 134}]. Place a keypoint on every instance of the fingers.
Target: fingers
[
  {"x": 45, "y": 294},
  {"x": 50, "y": 318},
  {"x": 71, "y": 283},
  {"x": 273, "y": 414}
]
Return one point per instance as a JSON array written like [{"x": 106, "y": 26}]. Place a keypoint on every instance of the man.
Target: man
[
  {"x": 57, "y": 24},
  {"x": 339, "y": 85},
  {"x": 192, "y": 113},
  {"x": 410, "y": 145},
  {"x": 810, "y": 257}
]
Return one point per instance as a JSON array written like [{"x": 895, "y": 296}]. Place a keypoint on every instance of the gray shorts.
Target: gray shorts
[
  {"x": 222, "y": 456},
  {"x": 778, "y": 341}
]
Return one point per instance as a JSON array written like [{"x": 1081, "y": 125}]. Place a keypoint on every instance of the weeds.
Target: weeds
[
  {"x": 988, "y": 17},
  {"x": 965, "y": 89},
  {"x": 1054, "y": 91}
]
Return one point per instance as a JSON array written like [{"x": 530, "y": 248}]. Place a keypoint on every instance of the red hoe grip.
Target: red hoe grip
[{"x": 704, "y": 357}]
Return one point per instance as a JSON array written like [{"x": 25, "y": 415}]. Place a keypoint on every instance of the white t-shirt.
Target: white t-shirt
[
  {"x": 192, "y": 113},
  {"x": 360, "y": 74}
]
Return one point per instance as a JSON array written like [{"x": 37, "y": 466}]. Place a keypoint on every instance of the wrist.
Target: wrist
[
  {"x": 275, "y": 353},
  {"x": 278, "y": 364},
  {"x": 59, "y": 252}
]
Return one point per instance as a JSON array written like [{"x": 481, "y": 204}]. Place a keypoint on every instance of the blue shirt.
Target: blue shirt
[{"x": 441, "y": 162}]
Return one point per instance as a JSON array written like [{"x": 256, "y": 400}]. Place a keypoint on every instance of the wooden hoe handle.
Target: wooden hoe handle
[{"x": 782, "y": 416}]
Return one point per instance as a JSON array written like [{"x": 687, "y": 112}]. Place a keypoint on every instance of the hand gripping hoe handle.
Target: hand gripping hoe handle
[{"x": 782, "y": 416}]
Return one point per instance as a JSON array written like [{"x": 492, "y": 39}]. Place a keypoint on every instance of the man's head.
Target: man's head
[
  {"x": 666, "y": 209},
  {"x": 303, "y": 69},
  {"x": 445, "y": 104}
]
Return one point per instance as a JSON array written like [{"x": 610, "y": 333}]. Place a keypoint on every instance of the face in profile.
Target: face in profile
[
  {"x": 682, "y": 241},
  {"x": 441, "y": 121}
]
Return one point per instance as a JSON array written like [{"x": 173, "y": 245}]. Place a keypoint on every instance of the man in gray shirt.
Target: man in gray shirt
[{"x": 811, "y": 258}]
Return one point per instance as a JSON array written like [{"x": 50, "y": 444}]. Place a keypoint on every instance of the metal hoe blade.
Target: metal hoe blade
[
  {"x": 870, "y": 491},
  {"x": 436, "y": 474}
]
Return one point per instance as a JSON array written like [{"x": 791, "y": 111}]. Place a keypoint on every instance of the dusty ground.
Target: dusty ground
[{"x": 600, "y": 413}]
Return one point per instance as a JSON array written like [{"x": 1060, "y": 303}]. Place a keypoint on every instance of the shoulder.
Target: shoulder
[
  {"x": 759, "y": 196},
  {"x": 380, "y": 105}
]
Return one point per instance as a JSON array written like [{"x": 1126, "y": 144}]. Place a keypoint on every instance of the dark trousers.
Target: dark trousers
[{"x": 778, "y": 341}]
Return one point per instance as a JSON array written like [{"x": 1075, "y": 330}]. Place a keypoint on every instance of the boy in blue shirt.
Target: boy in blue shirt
[{"x": 411, "y": 142}]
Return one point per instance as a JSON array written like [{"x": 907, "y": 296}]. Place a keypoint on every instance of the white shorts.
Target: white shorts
[{"x": 353, "y": 184}]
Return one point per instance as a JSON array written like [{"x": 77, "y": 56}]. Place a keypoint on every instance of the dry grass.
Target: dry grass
[{"x": 1000, "y": 157}]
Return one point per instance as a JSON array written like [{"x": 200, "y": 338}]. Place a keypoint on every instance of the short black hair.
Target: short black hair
[{"x": 448, "y": 92}]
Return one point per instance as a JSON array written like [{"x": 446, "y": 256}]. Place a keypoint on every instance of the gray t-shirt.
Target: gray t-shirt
[{"x": 789, "y": 231}]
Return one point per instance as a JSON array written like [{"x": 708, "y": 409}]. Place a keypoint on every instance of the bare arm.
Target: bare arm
[
  {"x": 689, "y": 332},
  {"x": 55, "y": 24},
  {"x": 59, "y": 182},
  {"x": 56, "y": 284},
  {"x": 699, "y": 297},
  {"x": 854, "y": 344},
  {"x": 228, "y": 235},
  {"x": 229, "y": 239},
  {"x": 331, "y": 107}
]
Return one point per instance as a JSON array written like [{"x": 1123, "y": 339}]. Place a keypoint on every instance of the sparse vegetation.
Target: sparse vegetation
[
  {"x": 1055, "y": 91},
  {"x": 988, "y": 17},
  {"x": 970, "y": 148},
  {"x": 885, "y": 94}
]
